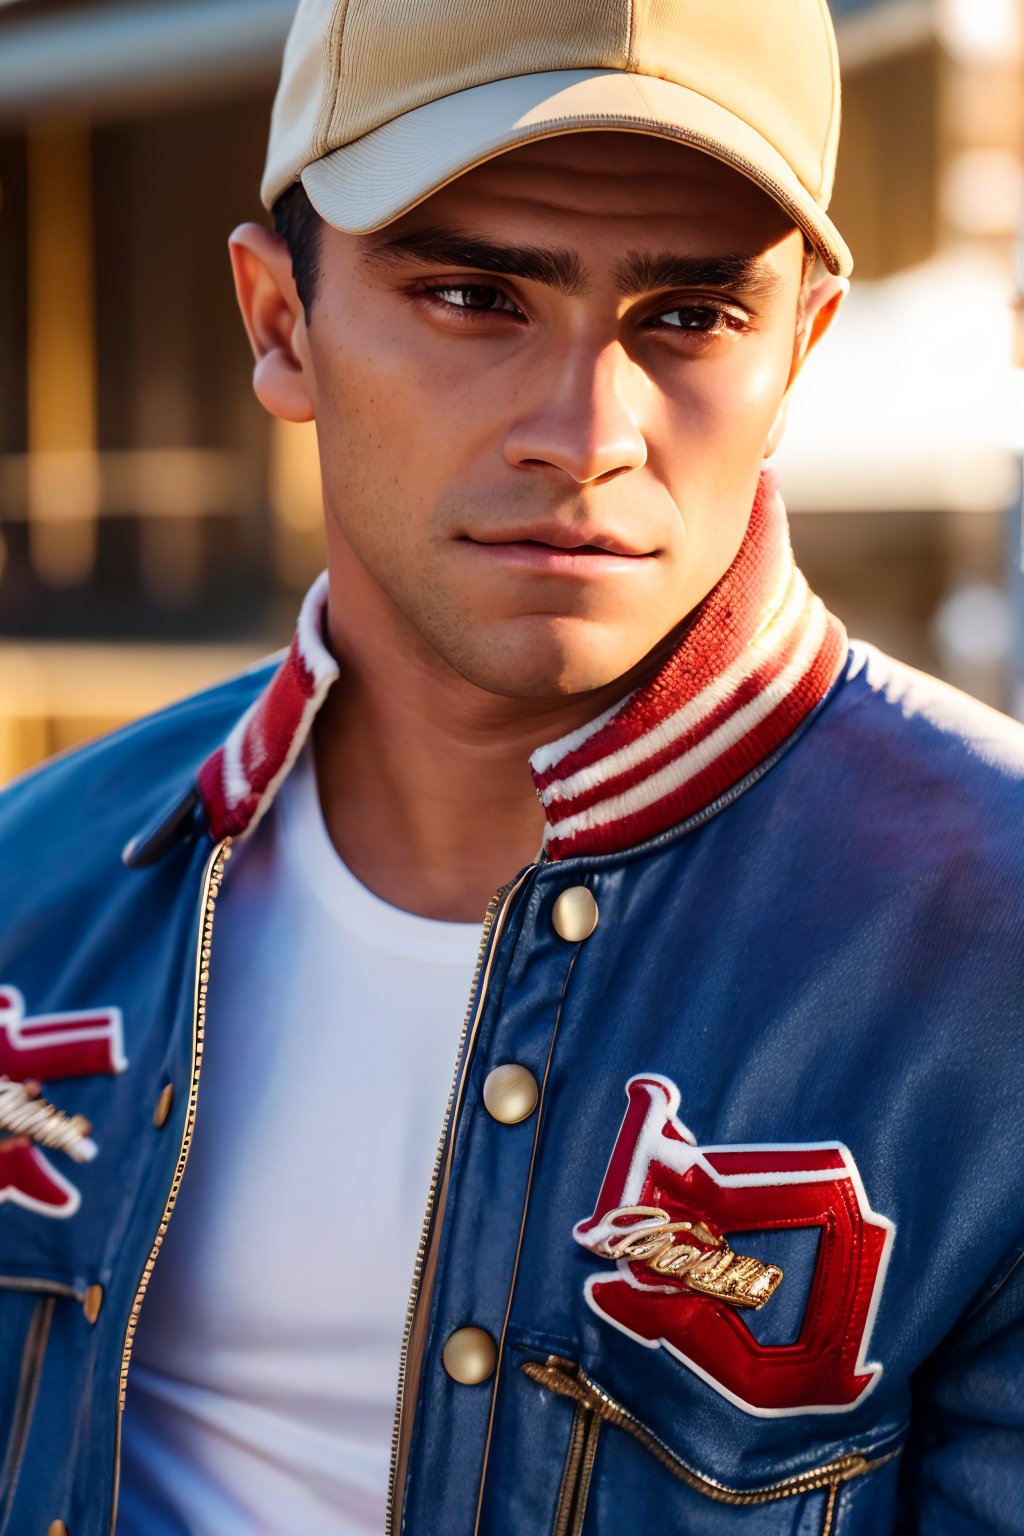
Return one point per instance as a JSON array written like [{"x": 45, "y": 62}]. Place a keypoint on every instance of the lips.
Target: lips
[
  {"x": 568, "y": 560},
  {"x": 555, "y": 536}
]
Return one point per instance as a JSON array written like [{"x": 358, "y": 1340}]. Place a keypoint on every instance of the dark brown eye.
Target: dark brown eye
[
  {"x": 478, "y": 297},
  {"x": 695, "y": 317}
]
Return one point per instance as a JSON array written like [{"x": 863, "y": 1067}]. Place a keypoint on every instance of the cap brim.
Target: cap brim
[{"x": 366, "y": 184}]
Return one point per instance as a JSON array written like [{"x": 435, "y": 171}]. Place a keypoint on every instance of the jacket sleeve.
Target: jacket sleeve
[{"x": 963, "y": 1471}]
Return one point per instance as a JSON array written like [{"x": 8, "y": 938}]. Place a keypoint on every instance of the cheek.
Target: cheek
[
  {"x": 397, "y": 432},
  {"x": 716, "y": 417},
  {"x": 738, "y": 395},
  {"x": 384, "y": 381},
  {"x": 765, "y": 383},
  {"x": 391, "y": 435}
]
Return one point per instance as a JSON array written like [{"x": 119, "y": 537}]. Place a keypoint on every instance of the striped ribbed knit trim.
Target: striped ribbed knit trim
[
  {"x": 239, "y": 780},
  {"x": 760, "y": 653}
]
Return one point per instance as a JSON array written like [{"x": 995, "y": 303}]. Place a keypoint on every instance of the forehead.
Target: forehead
[{"x": 589, "y": 185}]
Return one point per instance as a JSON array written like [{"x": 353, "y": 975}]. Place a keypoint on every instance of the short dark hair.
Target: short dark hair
[
  {"x": 299, "y": 225},
  {"x": 810, "y": 260}
]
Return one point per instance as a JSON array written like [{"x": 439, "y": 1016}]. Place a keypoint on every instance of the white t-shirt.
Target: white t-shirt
[{"x": 263, "y": 1380}]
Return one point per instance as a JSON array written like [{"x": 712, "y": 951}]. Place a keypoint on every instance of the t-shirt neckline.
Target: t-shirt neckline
[{"x": 308, "y": 846}]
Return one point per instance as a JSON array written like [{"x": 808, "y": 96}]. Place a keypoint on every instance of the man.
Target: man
[{"x": 723, "y": 1227}]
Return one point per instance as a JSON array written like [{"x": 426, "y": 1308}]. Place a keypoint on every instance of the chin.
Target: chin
[{"x": 556, "y": 670}]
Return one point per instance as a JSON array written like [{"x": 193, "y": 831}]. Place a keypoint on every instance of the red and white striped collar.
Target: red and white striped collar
[
  {"x": 240, "y": 779},
  {"x": 758, "y": 655}
]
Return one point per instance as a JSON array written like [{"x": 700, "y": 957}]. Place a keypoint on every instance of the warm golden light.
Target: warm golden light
[{"x": 63, "y": 473}]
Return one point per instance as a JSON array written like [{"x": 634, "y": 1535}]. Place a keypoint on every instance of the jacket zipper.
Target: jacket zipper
[
  {"x": 28, "y": 1386},
  {"x": 494, "y": 921},
  {"x": 579, "y": 1465},
  {"x": 567, "y": 1379},
  {"x": 212, "y": 878},
  {"x": 39, "y": 1287}
]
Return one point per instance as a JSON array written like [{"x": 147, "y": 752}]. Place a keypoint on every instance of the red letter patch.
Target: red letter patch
[
  {"x": 39, "y": 1050},
  {"x": 663, "y": 1213}
]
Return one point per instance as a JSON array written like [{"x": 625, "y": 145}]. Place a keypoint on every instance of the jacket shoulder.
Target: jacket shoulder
[
  {"x": 89, "y": 801},
  {"x": 921, "y": 732},
  {"x": 918, "y": 779}
]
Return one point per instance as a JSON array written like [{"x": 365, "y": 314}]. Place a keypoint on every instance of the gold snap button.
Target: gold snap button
[
  {"x": 92, "y": 1303},
  {"x": 575, "y": 914},
  {"x": 57, "y": 1528},
  {"x": 470, "y": 1356},
  {"x": 163, "y": 1105},
  {"x": 510, "y": 1093}
]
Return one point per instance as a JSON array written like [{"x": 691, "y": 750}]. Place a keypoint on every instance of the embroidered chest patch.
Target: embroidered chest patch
[
  {"x": 40, "y": 1050},
  {"x": 671, "y": 1215}
]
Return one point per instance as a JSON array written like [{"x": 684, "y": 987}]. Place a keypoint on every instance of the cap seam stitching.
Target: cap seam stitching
[
  {"x": 332, "y": 80},
  {"x": 631, "y": 37},
  {"x": 832, "y": 48}
]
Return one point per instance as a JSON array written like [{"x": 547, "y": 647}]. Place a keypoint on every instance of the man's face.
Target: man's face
[{"x": 543, "y": 399}]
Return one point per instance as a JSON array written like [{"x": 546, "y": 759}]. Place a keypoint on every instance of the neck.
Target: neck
[{"x": 404, "y": 747}]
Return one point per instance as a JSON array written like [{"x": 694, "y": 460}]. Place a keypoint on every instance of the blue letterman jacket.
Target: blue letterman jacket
[{"x": 790, "y": 1046}]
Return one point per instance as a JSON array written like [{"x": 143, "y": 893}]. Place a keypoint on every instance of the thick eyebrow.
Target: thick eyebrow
[
  {"x": 638, "y": 272},
  {"x": 561, "y": 269},
  {"x": 746, "y": 276}
]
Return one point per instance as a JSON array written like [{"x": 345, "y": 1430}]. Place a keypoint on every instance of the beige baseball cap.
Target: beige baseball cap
[{"x": 383, "y": 102}]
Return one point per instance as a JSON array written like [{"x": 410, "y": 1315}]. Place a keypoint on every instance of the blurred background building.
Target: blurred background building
[{"x": 156, "y": 529}]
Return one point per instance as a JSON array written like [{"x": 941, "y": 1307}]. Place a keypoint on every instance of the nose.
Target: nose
[{"x": 583, "y": 420}]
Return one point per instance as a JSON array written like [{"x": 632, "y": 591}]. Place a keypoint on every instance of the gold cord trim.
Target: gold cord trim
[
  {"x": 565, "y": 1378},
  {"x": 24, "y": 1112}
]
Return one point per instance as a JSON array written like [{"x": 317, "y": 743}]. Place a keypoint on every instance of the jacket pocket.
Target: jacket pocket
[
  {"x": 25, "y": 1318},
  {"x": 594, "y": 1408}
]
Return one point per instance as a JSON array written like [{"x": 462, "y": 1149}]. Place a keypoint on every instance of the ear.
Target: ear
[
  {"x": 274, "y": 322},
  {"x": 818, "y": 310}
]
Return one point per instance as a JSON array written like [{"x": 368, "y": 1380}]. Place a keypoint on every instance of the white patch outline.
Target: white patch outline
[
  {"x": 13, "y": 1019},
  {"x": 632, "y": 1185},
  {"x": 17, "y": 1196}
]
